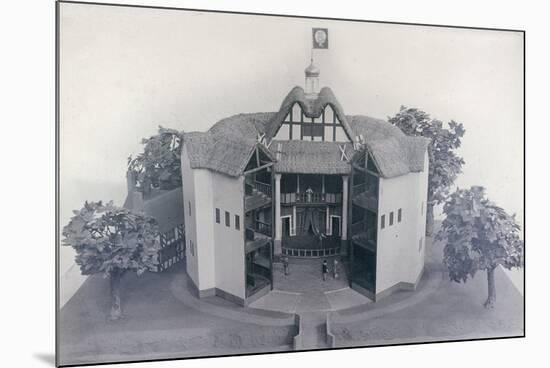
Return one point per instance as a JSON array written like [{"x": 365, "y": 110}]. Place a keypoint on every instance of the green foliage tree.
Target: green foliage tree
[
  {"x": 159, "y": 165},
  {"x": 479, "y": 235},
  {"x": 445, "y": 164},
  {"x": 112, "y": 241}
]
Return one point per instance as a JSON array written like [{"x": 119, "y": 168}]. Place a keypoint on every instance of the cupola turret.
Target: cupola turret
[{"x": 312, "y": 80}]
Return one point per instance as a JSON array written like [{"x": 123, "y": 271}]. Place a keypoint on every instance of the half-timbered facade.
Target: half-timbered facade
[{"x": 166, "y": 207}]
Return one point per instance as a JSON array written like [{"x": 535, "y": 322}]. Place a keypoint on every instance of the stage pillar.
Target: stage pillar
[
  {"x": 277, "y": 250},
  {"x": 345, "y": 182}
]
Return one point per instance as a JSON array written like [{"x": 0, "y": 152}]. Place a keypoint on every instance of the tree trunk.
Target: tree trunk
[
  {"x": 116, "y": 309},
  {"x": 492, "y": 296},
  {"x": 429, "y": 219}
]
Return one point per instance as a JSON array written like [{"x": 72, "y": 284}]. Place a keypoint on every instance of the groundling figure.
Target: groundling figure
[
  {"x": 325, "y": 270},
  {"x": 111, "y": 240},
  {"x": 479, "y": 235},
  {"x": 285, "y": 265}
]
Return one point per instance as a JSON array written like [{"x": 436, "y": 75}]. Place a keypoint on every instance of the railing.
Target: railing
[
  {"x": 313, "y": 198},
  {"x": 360, "y": 188},
  {"x": 370, "y": 190},
  {"x": 249, "y": 234},
  {"x": 257, "y": 269},
  {"x": 310, "y": 253},
  {"x": 263, "y": 228},
  {"x": 260, "y": 187},
  {"x": 257, "y": 227}
]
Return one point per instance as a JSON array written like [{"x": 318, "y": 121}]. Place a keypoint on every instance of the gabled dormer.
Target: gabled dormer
[{"x": 303, "y": 118}]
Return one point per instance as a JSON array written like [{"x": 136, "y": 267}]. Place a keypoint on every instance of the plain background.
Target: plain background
[{"x": 28, "y": 173}]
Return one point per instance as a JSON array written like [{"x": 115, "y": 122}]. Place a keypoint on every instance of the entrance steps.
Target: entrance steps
[{"x": 313, "y": 330}]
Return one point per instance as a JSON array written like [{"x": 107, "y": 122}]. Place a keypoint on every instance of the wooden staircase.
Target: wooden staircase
[{"x": 256, "y": 199}]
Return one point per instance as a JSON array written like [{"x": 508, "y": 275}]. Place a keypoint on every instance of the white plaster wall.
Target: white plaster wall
[
  {"x": 188, "y": 180},
  {"x": 202, "y": 210},
  {"x": 421, "y": 223},
  {"x": 398, "y": 255},
  {"x": 228, "y": 195},
  {"x": 219, "y": 250}
]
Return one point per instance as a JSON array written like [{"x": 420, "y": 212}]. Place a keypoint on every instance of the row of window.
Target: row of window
[
  {"x": 383, "y": 218},
  {"x": 228, "y": 219}
]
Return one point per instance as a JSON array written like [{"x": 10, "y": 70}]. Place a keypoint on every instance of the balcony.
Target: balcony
[
  {"x": 257, "y": 195},
  {"x": 311, "y": 198},
  {"x": 257, "y": 235},
  {"x": 366, "y": 196}
]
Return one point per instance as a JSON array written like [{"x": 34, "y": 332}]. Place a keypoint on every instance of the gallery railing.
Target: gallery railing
[
  {"x": 263, "y": 228},
  {"x": 311, "y": 198},
  {"x": 310, "y": 253},
  {"x": 263, "y": 188},
  {"x": 258, "y": 227},
  {"x": 369, "y": 190}
]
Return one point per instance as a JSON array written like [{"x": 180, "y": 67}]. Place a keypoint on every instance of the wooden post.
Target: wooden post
[
  {"x": 278, "y": 226},
  {"x": 345, "y": 207}
]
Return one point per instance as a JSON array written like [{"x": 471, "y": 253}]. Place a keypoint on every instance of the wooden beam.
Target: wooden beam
[{"x": 258, "y": 168}]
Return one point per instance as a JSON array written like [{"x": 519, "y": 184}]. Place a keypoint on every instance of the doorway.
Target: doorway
[
  {"x": 285, "y": 222},
  {"x": 335, "y": 225}
]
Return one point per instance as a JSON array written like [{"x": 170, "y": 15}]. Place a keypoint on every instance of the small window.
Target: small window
[
  {"x": 422, "y": 209},
  {"x": 383, "y": 221},
  {"x": 218, "y": 215},
  {"x": 192, "y": 247},
  {"x": 227, "y": 220},
  {"x": 189, "y": 206},
  {"x": 399, "y": 215},
  {"x": 420, "y": 242},
  {"x": 391, "y": 218},
  {"x": 237, "y": 222}
]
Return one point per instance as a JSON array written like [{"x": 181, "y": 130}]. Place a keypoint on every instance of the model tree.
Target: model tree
[
  {"x": 158, "y": 166},
  {"x": 112, "y": 241},
  {"x": 445, "y": 164},
  {"x": 479, "y": 235}
]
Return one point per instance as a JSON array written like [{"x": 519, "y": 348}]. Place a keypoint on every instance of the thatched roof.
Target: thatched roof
[
  {"x": 229, "y": 144},
  {"x": 394, "y": 152},
  {"x": 306, "y": 157},
  {"x": 312, "y": 108}
]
